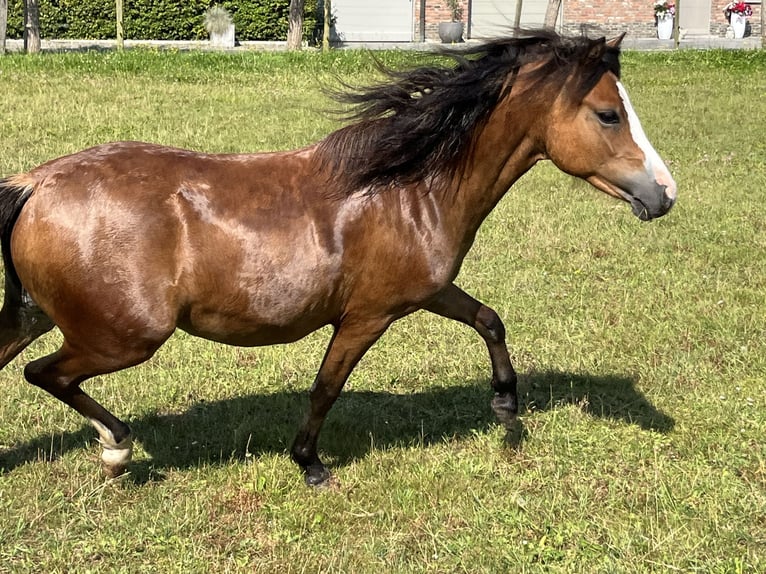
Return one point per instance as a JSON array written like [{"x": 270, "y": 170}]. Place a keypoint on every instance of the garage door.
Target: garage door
[
  {"x": 373, "y": 20},
  {"x": 695, "y": 17},
  {"x": 490, "y": 18}
]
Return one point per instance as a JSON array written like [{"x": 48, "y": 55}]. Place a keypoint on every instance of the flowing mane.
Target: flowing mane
[{"x": 417, "y": 123}]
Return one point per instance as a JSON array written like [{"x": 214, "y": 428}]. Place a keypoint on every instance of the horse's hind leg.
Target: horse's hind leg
[
  {"x": 456, "y": 304},
  {"x": 61, "y": 374}
]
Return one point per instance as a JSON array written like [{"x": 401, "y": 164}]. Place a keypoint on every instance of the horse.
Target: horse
[{"x": 121, "y": 244}]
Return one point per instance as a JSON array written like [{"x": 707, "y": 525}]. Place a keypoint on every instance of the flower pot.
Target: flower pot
[
  {"x": 451, "y": 32},
  {"x": 223, "y": 39},
  {"x": 738, "y": 23},
  {"x": 665, "y": 27}
]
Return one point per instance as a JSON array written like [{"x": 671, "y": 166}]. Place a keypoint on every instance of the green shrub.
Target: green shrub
[{"x": 159, "y": 19}]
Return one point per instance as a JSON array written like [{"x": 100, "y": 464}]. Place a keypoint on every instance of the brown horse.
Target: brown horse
[{"x": 121, "y": 244}]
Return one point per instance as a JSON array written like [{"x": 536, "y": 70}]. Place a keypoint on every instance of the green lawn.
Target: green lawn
[{"x": 641, "y": 350}]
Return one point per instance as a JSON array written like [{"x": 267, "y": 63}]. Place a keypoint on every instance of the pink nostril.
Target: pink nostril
[
  {"x": 670, "y": 189},
  {"x": 662, "y": 177}
]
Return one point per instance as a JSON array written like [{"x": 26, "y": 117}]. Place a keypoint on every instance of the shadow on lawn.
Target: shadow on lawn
[{"x": 215, "y": 432}]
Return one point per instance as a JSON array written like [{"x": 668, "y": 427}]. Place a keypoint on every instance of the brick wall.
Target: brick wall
[
  {"x": 592, "y": 17},
  {"x": 636, "y": 17}
]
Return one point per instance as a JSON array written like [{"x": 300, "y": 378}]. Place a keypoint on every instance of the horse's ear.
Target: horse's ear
[
  {"x": 596, "y": 50},
  {"x": 616, "y": 41}
]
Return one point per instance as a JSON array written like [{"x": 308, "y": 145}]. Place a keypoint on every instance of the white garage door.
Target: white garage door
[
  {"x": 695, "y": 17},
  {"x": 490, "y": 18},
  {"x": 373, "y": 20}
]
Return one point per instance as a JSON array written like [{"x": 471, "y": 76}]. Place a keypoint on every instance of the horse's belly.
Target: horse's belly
[
  {"x": 238, "y": 331},
  {"x": 263, "y": 304}
]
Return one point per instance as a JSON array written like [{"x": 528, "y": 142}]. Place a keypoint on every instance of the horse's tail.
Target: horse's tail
[
  {"x": 13, "y": 196},
  {"x": 21, "y": 320}
]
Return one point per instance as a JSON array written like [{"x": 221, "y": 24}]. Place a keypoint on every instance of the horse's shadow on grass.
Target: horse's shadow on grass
[{"x": 237, "y": 428}]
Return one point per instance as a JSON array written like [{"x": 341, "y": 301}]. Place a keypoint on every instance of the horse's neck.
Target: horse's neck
[{"x": 497, "y": 159}]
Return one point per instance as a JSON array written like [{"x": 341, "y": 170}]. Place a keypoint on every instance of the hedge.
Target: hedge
[{"x": 160, "y": 19}]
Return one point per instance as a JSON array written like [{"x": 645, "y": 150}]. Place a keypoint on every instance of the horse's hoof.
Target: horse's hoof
[
  {"x": 317, "y": 476},
  {"x": 115, "y": 458},
  {"x": 505, "y": 408},
  {"x": 114, "y": 471}
]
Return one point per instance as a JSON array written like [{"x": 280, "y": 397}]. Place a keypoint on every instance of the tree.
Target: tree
[
  {"x": 552, "y": 13},
  {"x": 31, "y": 26},
  {"x": 295, "y": 25}
]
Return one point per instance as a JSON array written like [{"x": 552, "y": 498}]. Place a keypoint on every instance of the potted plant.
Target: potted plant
[
  {"x": 664, "y": 12},
  {"x": 220, "y": 25},
  {"x": 452, "y": 32},
  {"x": 736, "y": 13}
]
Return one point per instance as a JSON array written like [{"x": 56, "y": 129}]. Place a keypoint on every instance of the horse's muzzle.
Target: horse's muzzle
[
  {"x": 647, "y": 206},
  {"x": 649, "y": 197}
]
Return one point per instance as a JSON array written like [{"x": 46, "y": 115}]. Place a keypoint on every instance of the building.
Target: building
[{"x": 418, "y": 20}]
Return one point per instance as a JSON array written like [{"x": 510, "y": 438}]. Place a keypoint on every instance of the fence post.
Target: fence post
[
  {"x": 3, "y": 24},
  {"x": 31, "y": 26},
  {"x": 120, "y": 34}
]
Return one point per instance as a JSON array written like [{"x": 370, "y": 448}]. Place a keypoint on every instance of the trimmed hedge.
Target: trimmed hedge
[{"x": 160, "y": 19}]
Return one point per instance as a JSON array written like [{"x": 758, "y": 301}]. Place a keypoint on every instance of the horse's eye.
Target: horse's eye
[{"x": 608, "y": 118}]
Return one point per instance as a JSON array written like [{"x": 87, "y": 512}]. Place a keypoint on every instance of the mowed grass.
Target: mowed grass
[{"x": 641, "y": 350}]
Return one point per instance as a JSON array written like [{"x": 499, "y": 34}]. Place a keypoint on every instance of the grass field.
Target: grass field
[{"x": 641, "y": 350}]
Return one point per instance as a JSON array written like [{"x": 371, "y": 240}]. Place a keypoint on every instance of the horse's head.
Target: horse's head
[{"x": 594, "y": 134}]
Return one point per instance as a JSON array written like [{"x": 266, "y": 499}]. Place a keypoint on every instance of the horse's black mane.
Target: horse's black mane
[{"x": 418, "y": 123}]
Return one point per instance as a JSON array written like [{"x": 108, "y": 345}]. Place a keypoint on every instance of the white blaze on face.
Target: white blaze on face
[{"x": 654, "y": 164}]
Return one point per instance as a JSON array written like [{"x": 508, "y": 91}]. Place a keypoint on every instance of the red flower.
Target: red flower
[{"x": 740, "y": 8}]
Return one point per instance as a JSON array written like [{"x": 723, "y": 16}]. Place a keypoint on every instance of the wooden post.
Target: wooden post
[
  {"x": 327, "y": 11},
  {"x": 676, "y": 26},
  {"x": 31, "y": 26},
  {"x": 763, "y": 28},
  {"x": 120, "y": 37},
  {"x": 3, "y": 24}
]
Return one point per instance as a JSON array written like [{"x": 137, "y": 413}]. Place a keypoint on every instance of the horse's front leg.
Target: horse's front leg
[
  {"x": 349, "y": 342},
  {"x": 454, "y": 303}
]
